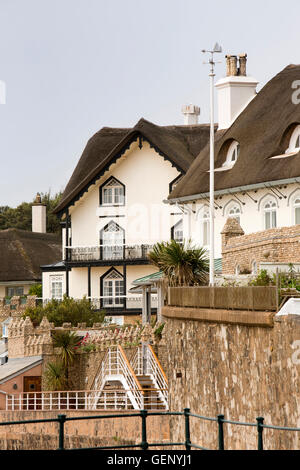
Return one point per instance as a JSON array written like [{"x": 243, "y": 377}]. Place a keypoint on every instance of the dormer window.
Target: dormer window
[
  {"x": 232, "y": 154},
  {"x": 294, "y": 141},
  {"x": 112, "y": 193}
]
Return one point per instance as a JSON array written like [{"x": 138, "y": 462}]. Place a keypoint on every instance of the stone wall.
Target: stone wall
[
  {"x": 26, "y": 340},
  {"x": 241, "y": 371},
  {"x": 273, "y": 245},
  {"x": 83, "y": 433},
  {"x": 16, "y": 306}
]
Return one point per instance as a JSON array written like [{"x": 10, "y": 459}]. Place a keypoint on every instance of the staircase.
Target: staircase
[{"x": 141, "y": 384}]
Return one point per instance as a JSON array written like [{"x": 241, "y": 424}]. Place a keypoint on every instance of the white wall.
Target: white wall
[
  {"x": 252, "y": 214},
  {"x": 145, "y": 218}
]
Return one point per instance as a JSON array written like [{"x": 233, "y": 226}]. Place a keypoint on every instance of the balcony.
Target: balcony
[{"x": 107, "y": 253}]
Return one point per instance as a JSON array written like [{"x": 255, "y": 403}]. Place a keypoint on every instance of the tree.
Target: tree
[
  {"x": 36, "y": 289},
  {"x": 55, "y": 377},
  {"x": 68, "y": 310},
  {"x": 182, "y": 263},
  {"x": 21, "y": 216},
  {"x": 66, "y": 341}
]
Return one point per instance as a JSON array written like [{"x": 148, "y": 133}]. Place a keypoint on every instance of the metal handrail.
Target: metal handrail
[
  {"x": 115, "y": 361},
  {"x": 143, "y": 414}
]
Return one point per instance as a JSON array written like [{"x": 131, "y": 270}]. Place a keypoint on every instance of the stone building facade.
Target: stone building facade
[{"x": 242, "y": 254}]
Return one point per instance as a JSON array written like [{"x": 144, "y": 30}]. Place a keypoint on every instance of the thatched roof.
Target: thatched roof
[
  {"x": 22, "y": 253},
  {"x": 179, "y": 144},
  {"x": 263, "y": 130}
]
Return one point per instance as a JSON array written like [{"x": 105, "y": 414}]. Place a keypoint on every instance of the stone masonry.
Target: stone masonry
[{"x": 277, "y": 245}]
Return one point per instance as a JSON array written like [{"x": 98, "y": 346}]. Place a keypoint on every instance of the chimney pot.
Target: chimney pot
[
  {"x": 39, "y": 215},
  {"x": 191, "y": 113},
  {"x": 243, "y": 65}
]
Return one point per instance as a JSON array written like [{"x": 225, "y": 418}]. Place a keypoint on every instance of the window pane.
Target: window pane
[
  {"x": 267, "y": 220},
  {"x": 119, "y": 195},
  {"x": 107, "y": 195},
  {"x": 297, "y": 215},
  {"x": 274, "y": 221},
  {"x": 206, "y": 232}
]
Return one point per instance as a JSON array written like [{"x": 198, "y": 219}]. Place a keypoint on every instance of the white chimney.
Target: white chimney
[
  {"x": 39, "y": 215},
  {"x": 191, "y": 113},
  {"x": 235, "y": 91}
]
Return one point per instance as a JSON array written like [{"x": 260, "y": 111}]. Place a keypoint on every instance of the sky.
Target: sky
[{"x": 71, "y": 67}]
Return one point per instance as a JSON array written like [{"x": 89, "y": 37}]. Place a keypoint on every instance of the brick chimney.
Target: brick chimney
[
  {"x": 235, "y": 91},
  {"x": 39, "y": 215},
  {"x": 191, "y": 113}
]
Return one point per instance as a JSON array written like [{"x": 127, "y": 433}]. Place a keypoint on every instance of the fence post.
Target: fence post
[
  {"x": 221, "y": 431},
  {"x": 61, "y": 420},
  {"x": 187, "y": 428},
  {"x": 144, "y": 443},
  {"x": 260, "y": 422}
]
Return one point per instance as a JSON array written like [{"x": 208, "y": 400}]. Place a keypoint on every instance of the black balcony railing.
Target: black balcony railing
[{"x": 108, "y": 253}]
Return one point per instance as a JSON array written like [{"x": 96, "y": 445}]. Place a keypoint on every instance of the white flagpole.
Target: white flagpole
[{"x": 216, "y": 49}]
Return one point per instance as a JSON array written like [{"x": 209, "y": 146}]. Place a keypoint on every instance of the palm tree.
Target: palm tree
[
  {"x": 55, "y": 378},
  {"x": 66, "y": 341},
  {"x": 182, "y": 263}
]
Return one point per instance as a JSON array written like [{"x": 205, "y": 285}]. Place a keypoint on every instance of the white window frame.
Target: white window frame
[
  {"x": 254, "y": 267},
  {"x": 296, "y": 205},
  {"x": 232, "y": 154},
  {"x": 112, "y": 241},
  {"x": 270, "y": 210},
  {"x": 178, "y": 228},
  {"x": 294, "y": 140},
  {"x": 205, "y": 227},
  {"x": 56, "y": 280},
  {"x": 117, "y": 193},
  {"x": 234, "y": 211},
  {"x": 115, "y": 290}
]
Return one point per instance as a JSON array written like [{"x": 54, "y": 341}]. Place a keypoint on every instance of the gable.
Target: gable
[{"x": 177, "y": 144}]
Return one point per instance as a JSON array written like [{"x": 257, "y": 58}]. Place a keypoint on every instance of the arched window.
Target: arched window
[
  {"x": 112, "y": 193},
  {"x": 296, "y": 206},
  {"x": 177, "y": 232},
  {"x": 205, "y": 227},
  {"x": 112, "y": 241},
  {"x": 270, "y": 214},
  {"x": 232, "y": 154},
  {"x": 294, "y": 145},
  {"x": 112, "y": 289},
  {"x": 234, "y": 210},
  {"x": 254, "y": 267}
]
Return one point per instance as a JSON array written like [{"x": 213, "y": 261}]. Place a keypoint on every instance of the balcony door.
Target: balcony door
[
  {"x": 112, "y": 288},
  {"x": 112, "y": 240}
]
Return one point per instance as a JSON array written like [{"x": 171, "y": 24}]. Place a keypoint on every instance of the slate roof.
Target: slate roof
[
  {"x": 263, "y": 130},
  {"x": 22, "y": 253},
  {"x": 179, "y": 144},
  {"x": 17, "y": 366}
]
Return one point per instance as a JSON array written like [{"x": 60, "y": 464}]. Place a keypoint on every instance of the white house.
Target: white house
[
  {"x": 257, "y": 158},
  {"x": 112, "y": 211}
]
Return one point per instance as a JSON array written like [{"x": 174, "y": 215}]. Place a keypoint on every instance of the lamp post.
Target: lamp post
[{"x": 216, "y": 49}]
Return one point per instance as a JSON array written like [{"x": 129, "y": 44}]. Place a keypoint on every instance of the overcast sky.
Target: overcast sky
[{"x": 73, "y": 66}]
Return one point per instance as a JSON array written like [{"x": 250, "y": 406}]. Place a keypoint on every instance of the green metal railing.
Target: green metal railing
[{"x": 144, "y": 444}]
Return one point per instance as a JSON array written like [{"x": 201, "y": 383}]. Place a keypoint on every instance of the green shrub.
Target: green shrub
[
  {"x": 263, "y": 279},
  {"x": 66, "y": 311},
  {"x": 36, "y": 289},
  {"x": 159, "y": 330}
]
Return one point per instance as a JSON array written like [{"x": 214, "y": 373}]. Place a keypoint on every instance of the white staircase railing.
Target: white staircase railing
[
  {"x": 115, "y": 367},
  {"x": 145, "y": 362}
]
